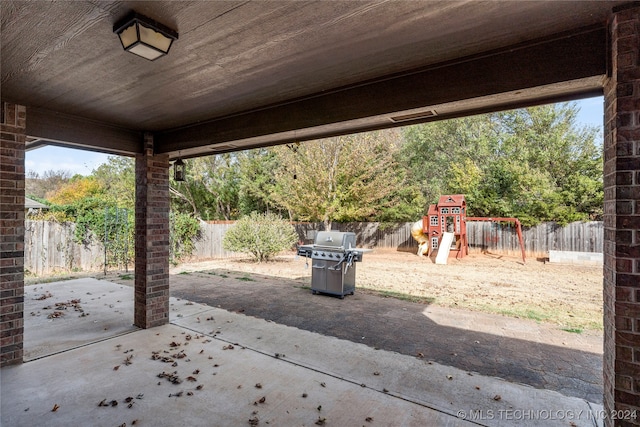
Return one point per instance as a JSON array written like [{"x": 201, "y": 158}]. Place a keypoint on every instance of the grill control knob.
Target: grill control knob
[{"x": 315, "y": 253}]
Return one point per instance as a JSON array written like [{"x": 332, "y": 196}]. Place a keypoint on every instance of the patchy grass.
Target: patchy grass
[
  {"x": 245, "y": 279},
  {"x": 125, "y": 277},
  {"x": 402, "y": 296},
  {"x": 572, "y": 330},
  {"x": 527, "y": 313},
  {"x": 186, "y": 273}
]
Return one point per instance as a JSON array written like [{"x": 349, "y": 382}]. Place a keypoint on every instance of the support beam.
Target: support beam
[
  {"x": 622, "y": 223},
  {"x": 12, "y": 141},
  {"x": 152, "y": 238},
  {"x": 476, "y": 83},
  {"x": 64, "y": 130}
]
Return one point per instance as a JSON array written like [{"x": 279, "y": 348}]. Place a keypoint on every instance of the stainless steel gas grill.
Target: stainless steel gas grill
[{"x": 332, "y": 260}]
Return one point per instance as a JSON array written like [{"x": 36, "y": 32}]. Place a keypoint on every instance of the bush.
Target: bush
[
  {"x": 184, "y": 231},
  {"x": 260, "y": 235}
]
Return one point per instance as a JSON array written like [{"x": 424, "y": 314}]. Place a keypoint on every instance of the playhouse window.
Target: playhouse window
[
  {"x": 434, "y": 243},
  {"x": 433, "y": 220},
  {"x": 444, "y": 210},
  {"x": 455, "y": 210}
]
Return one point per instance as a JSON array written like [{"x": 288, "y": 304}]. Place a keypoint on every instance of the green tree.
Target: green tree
[
  {"x": 257, "y": 180},
  {"x": 117, "y": 178},
  {"x": 348, "y": 178},
  {"x": 210, "y": 190},
  {"x": 437, "y": 154},
  {"x": 536, "y": 163},
  {"x": 184, "y": 230}
]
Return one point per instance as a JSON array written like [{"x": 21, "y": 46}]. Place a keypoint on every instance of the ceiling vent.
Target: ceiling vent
[{"x": 414, "y": 116}]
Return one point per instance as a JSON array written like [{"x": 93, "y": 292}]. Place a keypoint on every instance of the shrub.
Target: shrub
[
  {"x": 260, "y": 235},
  {"x": 184, "y": 231}
]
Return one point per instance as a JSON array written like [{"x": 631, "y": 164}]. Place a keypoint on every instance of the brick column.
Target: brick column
[
  {"x": 622, "y": 220},
  {"x": 152, "y": 238},
  {"x": 12, "y": 143}
]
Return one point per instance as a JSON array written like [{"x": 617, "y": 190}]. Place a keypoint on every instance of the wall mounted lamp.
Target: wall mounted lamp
[
  {"x": 179, "y": 170},
  {"x": 144, "y": 37}
]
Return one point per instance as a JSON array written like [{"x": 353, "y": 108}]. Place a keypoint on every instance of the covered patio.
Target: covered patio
[
  {"x": 242, "y": 75},
  {"x": 211, "y": 366}
]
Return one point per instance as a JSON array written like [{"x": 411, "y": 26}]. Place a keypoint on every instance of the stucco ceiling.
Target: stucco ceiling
[{"x": 251, "y": 73}]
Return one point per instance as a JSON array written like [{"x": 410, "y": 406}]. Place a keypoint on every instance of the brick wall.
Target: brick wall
[
  {"x": 152, "y": 238},
  {"x": 12, "y": 142},
  {"x": 622, "y": 220}
]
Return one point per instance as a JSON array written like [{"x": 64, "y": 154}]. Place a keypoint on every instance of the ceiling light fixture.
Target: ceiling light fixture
[{"x": 144, "y": 36}]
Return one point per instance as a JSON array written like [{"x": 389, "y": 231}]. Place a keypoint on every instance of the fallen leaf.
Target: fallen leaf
[
  {"x": 55, "y": 407},
  {"x": 497, "y": 398}
]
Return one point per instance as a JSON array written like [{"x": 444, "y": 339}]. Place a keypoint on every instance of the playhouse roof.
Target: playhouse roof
[{"x": 452, "y": 200}]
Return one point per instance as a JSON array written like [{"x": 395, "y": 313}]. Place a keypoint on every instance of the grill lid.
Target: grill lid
[{"x": 336, "y": 240}]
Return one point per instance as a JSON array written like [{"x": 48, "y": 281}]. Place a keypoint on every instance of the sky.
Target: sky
[{"x": 84, "y": 162}]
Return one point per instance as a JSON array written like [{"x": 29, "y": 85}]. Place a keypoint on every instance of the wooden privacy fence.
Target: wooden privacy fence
[
  {"x": 49, "y": 246},
  {"x": 483, "y": 236},
  {"x": 209, "y": 245},
  {"x": 538, "y": 240}
]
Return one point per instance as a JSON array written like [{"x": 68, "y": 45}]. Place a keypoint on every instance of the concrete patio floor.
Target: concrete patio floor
[{"x": 211, "y": 367}]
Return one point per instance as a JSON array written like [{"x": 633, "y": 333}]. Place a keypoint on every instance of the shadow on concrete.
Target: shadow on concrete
[{"x": 400, "y": 326}]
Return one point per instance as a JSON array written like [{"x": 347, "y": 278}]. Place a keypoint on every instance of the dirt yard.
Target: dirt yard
[{"x": 569, "y": 296}]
